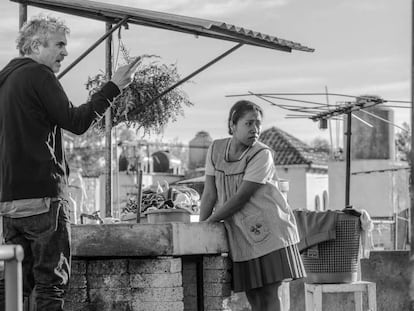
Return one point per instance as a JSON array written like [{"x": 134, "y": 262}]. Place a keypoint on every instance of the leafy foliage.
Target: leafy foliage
[
  {"x": 135, "y": 105},
  {"x": 403, "y": 143}
]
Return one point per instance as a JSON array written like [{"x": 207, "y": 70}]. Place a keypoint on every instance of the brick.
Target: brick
[
  {"x": 156, "y": 265},
  {"x": 216, "y": 262},
  {"x": 78, "y": 267},
  {"x": 114, "y": 266},
  {"x": 77, "y": 295},
  {"x": 99, "y": 295},
  {"x": 217, "y": 290},
  {"x": 77, "y": 281},
  {"x": 157, "y": 294},
  {"x": 213, "y": 303},
  {"x": 216, "y": 276},
  {"x": 158, "y": 306},
  {"x": 156, "y": 280},
  {"x": 109, "y": 281}
]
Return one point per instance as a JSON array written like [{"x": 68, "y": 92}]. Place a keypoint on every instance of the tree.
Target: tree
[
  {"x": 320, "y": 145},
  {"x": 403, "y": 143}
]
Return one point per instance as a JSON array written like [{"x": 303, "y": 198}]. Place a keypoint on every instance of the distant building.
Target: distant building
[
  {"x": 198, "y": 150},
  {"x": 304, "y": 169}
]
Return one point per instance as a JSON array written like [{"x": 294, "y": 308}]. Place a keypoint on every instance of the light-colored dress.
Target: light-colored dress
[{"x": 266, "y": 222}]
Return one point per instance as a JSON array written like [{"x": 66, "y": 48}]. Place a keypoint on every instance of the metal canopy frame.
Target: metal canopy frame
[
  {"x": 121, "y": 15},
  {"x": 196, "y": 26}
]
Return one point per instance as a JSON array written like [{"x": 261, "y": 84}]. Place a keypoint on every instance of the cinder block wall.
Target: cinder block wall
[
  {"x": 153, "y": 284},
  {"x": 216, "y": 282}
]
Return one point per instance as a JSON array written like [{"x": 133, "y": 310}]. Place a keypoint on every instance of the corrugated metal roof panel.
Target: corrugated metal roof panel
[{"x": 186, "y": 24}]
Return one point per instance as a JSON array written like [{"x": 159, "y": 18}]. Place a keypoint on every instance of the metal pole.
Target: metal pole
[
  {"x": 139, "y": 192},
  {"x": 13, "y": 276},
  {"x": 22, "y": 14},
  {"x": 93, "y": 46},
  {"x": 108, "y": 130},
  {"x": 411, "y": 162},
  {"x": 348, "y": 157}
]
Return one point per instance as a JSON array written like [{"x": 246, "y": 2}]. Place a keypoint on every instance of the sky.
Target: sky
[{"x": 361, "y": 47}]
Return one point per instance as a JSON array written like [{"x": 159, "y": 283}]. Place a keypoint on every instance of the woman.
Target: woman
[{"x": 241, "y": 190}]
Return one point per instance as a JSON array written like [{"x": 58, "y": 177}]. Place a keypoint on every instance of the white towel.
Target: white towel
[{"x": 367, "y": 226}]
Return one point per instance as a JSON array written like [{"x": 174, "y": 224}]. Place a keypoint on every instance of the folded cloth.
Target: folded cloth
[
  {"x": 315, "y": 227},
  {"x": 367, "y": 225}
]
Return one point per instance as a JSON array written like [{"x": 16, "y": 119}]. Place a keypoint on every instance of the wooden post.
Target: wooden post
[
  {"x": 108, "y": 131},
  {"x": 22, "y": 15}
]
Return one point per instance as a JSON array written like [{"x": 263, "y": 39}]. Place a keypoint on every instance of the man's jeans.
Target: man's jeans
[{"x": 45, "y": 239}]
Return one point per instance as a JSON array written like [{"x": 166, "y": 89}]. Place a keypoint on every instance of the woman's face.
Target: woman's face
[{"x": 248, "y": 128}]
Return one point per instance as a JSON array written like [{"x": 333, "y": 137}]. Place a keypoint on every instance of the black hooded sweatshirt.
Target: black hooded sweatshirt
[{"x": 33, "y": 110}]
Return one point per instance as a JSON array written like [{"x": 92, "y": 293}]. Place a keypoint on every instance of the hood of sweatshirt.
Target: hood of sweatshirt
[{"x": 12, "y": 66}]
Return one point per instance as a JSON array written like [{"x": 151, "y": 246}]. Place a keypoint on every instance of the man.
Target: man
[{"x": 33, "y": 171}]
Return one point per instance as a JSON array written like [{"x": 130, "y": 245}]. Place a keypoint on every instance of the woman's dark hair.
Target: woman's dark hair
[{"x": 238, "y": 111}]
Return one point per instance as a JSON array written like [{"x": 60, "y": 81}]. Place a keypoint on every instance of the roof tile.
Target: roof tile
[{"x": 289, "y": 150}]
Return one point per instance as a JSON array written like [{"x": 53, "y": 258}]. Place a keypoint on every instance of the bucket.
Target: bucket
[{"x": 335, "y": 261}]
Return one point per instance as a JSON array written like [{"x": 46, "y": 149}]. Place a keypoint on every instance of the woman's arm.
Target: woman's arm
[
  {"x": 209, "y": 197},
  {"x": 243, "y": 194}
]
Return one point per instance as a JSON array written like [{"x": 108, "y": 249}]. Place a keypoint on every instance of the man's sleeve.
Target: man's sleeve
[{"x": 61, "y": 111}]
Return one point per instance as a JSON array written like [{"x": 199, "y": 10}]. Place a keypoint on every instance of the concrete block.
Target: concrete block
[
  {"x": 77, "y": 281},
  {"x": 155, "y": 265},
  {"x": 113, "y": 266},
  {"x": 216, "y": 276},
  {"x": 213, "y": 303},
  {"x": 76, "y": 295},
  {"x": 158, "y": 306},
  {"x": 76, "y": 306},
  {"x": 217, "y": 290},
  {"x": 103, "y": 295},
  {"x": 78, "y": 267},
  {"x": 216, "y": 262},
  {"x": 157, "y": 294},
  {"x": 111, "y": 306},
  {"x": 155, "y": 280},
  {"x": 108, "y": 281}
]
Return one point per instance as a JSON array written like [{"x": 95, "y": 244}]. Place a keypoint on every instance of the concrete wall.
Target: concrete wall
[
  {"x": 297, "y": 184},
  {"x": 381, "y": 193},
  {"x": 126, "y": 284},
  {"x": 152, "y": 284},
  {"x": 304, "y": 185},
  {"x": 316, "y": 185}
]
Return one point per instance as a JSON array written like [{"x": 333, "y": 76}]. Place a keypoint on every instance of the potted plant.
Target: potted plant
[{"x": 135, "y": 106}]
